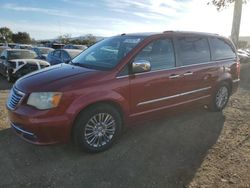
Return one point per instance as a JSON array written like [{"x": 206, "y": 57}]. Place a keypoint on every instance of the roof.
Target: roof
[
  {"x": 42, "y": 47},
  {"x": 19, "y": 50},
  {"x": 146, "y": 34}
]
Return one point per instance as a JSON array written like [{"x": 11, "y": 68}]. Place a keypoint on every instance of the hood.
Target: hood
[{"x": 54, "y": 78}]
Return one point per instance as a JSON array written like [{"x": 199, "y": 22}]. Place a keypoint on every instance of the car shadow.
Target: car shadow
[{"x": 159, "y": 153}]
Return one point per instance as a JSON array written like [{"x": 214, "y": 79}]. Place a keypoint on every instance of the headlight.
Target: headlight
[{"x": 44, "y": 100}]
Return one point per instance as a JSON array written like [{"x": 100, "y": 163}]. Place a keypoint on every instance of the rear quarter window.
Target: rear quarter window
[{"x": 221, "y": 49}]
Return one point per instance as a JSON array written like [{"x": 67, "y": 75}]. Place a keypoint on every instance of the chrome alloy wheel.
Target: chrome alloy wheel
[
  {"x": 222, "y": 97},
  {"x": 99, "y": 130}
]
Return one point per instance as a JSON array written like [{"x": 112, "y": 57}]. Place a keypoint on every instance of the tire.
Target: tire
[
  {"x": 9, "y": 76},
  {"x": 93, "y": 129},
  {"x": 220, "y": 97}
]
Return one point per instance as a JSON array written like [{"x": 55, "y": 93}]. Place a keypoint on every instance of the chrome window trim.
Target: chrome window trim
[
  {"x": 173, "y": 96},
  {"x": 236, "y": 80},
  {"x": 178, "y": 67},
  {"x": 21, "y": 130},
  {"x": 125, "y": 76}
]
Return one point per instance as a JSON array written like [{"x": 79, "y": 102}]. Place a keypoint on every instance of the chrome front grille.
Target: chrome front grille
[{"x": 15, "y": 97}]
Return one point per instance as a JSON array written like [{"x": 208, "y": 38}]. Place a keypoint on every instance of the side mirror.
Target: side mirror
[
  {"x": 3, "y": 57},
  {"x": 67, "y": 61},
  {"x": 141, "y": 66}
]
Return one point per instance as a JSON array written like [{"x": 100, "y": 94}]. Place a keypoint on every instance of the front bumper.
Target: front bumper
[{"x": 40, "y": 127}]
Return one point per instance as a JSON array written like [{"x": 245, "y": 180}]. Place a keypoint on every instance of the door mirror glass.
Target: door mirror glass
[{"x": 141, "y": 66}]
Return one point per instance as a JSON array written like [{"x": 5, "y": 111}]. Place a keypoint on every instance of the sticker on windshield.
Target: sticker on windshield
[{"x": 133, "y": 41}]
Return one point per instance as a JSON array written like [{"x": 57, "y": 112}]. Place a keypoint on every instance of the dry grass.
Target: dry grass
[{"x": 3, "y": 111}]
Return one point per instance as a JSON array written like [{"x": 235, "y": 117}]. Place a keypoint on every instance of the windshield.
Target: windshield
[
  {"x": 74, "y": 53},
  {"x": 45, "y": 50},
  {"x": 106, "y": 54},
  {"x": 21, "y": 55}
]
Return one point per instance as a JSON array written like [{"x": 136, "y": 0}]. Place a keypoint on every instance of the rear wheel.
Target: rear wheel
[
  {"x": 220, "y": 97},
  {"x": 97, "y": 128}
]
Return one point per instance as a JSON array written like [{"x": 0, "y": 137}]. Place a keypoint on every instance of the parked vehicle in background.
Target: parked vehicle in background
[
  {"x": 119, "y": 80},
  {"x": 42, "y": 52},
  {"x": 62, "y": 56},
  {"x": 2, "y": 48},
  {"x": 23, "y": 46},
  {"x": 15, "y": 63},
  {"x": 247, "y": 50},
  {"x": 243, "y": 55},
  {"x": 57, "y": 46},
  {"x": 74, "y": 46},
  {"x": 12, "y": 45}
]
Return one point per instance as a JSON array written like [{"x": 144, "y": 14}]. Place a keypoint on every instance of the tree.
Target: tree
[
  {"x": 89, "y": 40},
  {"x": 242, "y": 44},
  {"x": 221, "y": 4},
  {"x": 21, "y": 37},
  {"x": 5, "y": 34},
  {"x": 65, "y": 39}
]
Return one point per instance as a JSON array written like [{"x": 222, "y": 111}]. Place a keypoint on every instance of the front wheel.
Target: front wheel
[
  {"x": 220, "y": 97},
  {"x": 97, "y": 128}
]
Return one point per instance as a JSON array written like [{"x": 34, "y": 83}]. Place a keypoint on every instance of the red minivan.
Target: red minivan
[{"x": 119, "y": 80}]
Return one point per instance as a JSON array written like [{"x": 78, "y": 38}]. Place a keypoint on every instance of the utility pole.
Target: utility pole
[{"x": 236, "y": 22}]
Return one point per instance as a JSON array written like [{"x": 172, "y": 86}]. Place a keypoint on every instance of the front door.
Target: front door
[{"x": 154, "y": 90}]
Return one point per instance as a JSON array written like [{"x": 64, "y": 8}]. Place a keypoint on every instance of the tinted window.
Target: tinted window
[
  {"x": 159, "y": 53},
  {"x": 193, "y": 50},
  {"x": 65, "y": 56},
  {"x": 57, "y": 54},
  {"x": 221, "y": 49}
]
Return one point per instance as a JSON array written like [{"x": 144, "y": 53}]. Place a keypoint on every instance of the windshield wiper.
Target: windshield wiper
[{"x": 82, "y": 65}]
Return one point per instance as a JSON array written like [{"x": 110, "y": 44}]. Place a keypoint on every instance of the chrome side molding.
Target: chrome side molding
[{"x": 173, "y": 96}]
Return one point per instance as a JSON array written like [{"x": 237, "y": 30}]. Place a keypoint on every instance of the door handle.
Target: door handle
[
  {"x": 172, "y": 76},
  {"x": 188, "y": 73}
]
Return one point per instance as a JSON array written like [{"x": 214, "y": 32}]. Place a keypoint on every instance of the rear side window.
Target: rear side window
[
  {"x": 159, "y": 53},
  {"x": 193, "y": 50},
  {"x": 65, "y": 56},
  {"x": 221, "y": 49}
]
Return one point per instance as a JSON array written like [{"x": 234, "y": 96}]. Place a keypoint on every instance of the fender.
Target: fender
[{"x": 84, "y": 101}]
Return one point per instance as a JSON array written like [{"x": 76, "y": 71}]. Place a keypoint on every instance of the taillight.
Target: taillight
[{"x": 238, "y": 69}]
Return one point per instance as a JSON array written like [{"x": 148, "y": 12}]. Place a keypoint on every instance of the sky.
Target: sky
[{"x": 47, "y": 19}]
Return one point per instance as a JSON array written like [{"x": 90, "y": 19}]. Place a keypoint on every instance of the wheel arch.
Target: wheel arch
[
  {"x": 227, "y": 81},
  {"x": 112, "y": 103}
]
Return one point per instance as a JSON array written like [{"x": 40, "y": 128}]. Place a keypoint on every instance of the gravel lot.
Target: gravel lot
[{"x": 193, "y": 149}]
